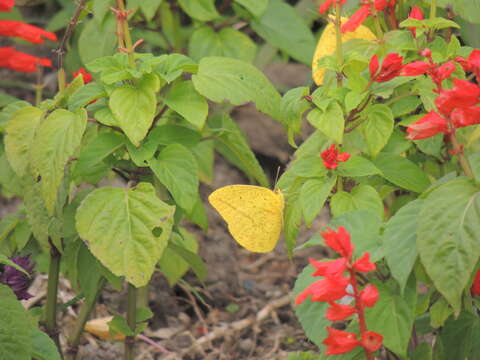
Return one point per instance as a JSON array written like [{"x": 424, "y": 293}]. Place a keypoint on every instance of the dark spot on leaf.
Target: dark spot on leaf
[{"x": 157, "y": 231}]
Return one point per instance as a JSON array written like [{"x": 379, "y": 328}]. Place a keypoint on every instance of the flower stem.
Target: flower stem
[
  {"x": 458, "y": 149},
  {"x": 52, "y": 291},
  {"x": 376, "y": 20},
  {"x": 433, "y": 15},
  {"x": 131, "y": 321},
  {"x": 338, "y": 36},
  {"x": 85, "y": 310},
  {"x": 125, "y": 38},
  {"x": 360, "y": 311}
]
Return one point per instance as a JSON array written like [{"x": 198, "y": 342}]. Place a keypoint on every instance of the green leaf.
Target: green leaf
[
  {"x": 357, "y": 166},
  {"x": 170, "y": 134},
  {"x": 105, "y": 116},
  {"x": 15, "y": 328},
  {"x": 43, "y": 347},
  {"x": 377, "y": 128},
  {"x": 6, "y": 261},
  {"x": 134, "y": 108},
  {"x": 296, "y": 39},
  {"x": 392, "y": 316},
  {"x": 21, "y": 131},
  {"x": 313, "y": 195},
  {"x": 308, "y": 166},
  {"x": 185, "y": 100},
  {"x": 119, "y": 325},
  {"x": 361, "y": 197},
  {"x": 227, "y": 42},
  {"x": 402, "y": 172},
  {"x": 177, "y": 169},
  {"x": 57, "y": 139},
  {"x": 474, "y": 160},
  {"x": 149, "y": 8},
  {"x": 85, "y": 95},
  {"x": 466, "y": 9},
  {"x": 399, "y": 241},
  {"x": 9, "y": 110},
  {"x": 447, "y": 237},
  {"x": 364, "y": 229},
  {"x": 330, "y": 122},
  {"x": 203, "y": 10},
  {"x": 96, "y": 150},
  {"x": 118, "y": 224},
  {"x": 173, "y": 65},
  {"x": 423, "y": 352},
  {"x": 460, "y": 337},
  {"x": 238, "y": 82},
  {"x": 100, "y": 9},
  {"x": 256, "y": 7},
  {"x": 440, "y": 312},
  {"x": 91, "y": 45},
  {"x": 37, "y": 214},
  {"x": 6, "y": 99},
  {"x": 310, "y": 314},
  {"x": 232, "y": 144}
]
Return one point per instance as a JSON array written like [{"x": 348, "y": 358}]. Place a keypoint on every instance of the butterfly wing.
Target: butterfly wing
[{"x": 254, "y": 215}]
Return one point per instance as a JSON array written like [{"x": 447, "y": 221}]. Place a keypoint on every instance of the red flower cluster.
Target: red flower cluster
[
  {"x": 472, "y": 64},
  {"x": 15, "y": 60},
  {"x": 391, "y": 67},
  {"x": 6, "y": 5},
  {"x": 415, "y": 13},
  {"x": 475, "y": 289},
  {"x": 334, "y": 286},
  {"x": 364, "y": 12},
  {"x": 331, "y": 157},
  {"x": 26, "y": 32},
  {"x": 329, "y": 3},
  {"x": 87, "y": 77}
]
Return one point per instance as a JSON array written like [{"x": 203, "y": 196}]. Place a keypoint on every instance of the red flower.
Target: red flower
[
  {"x": 369, "y": 296},
  {"x": 464, "y": 93},
  {"x": 330, "y": 288},
  {"x": 373, "y": 66},
  {"x": 339, "y": 242},
  {"x": 14, "y": 60},
  {"x": 391, "y": 67},
  {"x": 466, "y": 116},
  {"x": 328, "y": 3},
  {"x": 339, "y": 342},
  {"x": 472, "y": 64},
  {"x": 445, "y": 71},
  {"x": 6, "y": 5},
  {"x": 24, "y": 31},
  {"x": 324, "y": 268},
  {"x": 331, "y": 157},
  {"x": 87, "y": 77},
  {"x": 363, "y": 12},
  {"x": 416, "y": 68},
  {"x": 363, "y": 264},
  {"x": 415, "y": 13},
  {"x": 428, "y": 126},
  {"x": 475, "y": 289},
  {"x": 338, "y": 312},
  {"x": 371, "y": 341}
]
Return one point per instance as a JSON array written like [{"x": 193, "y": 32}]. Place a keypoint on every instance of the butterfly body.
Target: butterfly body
[{"x": 254, "y": 214}]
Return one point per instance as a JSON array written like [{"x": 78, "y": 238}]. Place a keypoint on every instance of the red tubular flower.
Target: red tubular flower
[
  {"x": 475, "y": 289},
  {"x": 466, "y": 116},
  {"x": 87, "y": 77},
  {"x": 15, "y": 60},
  {"x": 463, "y": 94},
  {"x": 369, "y": 296},
  {"x": 373, "y": 66},
  {"x": 330, "y": 288},
  {"x": 324, "y": 268},
  {"x": 415, "y": 13},
  {"x": 6, "y": 5},
  {"x": 391, "y": 67},
  {"x": 371, "y": 341},
  {"x": 339, "y": 242},
  {"x": 416, "y": 68},
  {"x": 331, "y": 157},
  {"x": 356, "y": 19},
  {"x": 339, "y": 342},
  {"x": 445, "y": 71},
  {"x": 472, "y": 64},
  {"x": 26, "y": 32},
  {"x": 428, "y": 126},
  {"x": 328, "y": 3},
  {"x": 338, "y": 312},
  {"x": 364, "y": 264}
]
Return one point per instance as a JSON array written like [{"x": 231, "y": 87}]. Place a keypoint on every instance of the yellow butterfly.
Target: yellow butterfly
[{"x": 254, "y": 214}]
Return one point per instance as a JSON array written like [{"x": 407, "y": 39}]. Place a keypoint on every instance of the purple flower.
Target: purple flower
[{"x": 17, "y": 280}]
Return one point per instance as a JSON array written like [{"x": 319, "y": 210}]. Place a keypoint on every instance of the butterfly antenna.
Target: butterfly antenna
[{"x": 276, "y": 177}]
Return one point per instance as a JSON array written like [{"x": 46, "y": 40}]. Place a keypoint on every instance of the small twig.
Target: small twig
[{"x": 71, "y": 26}]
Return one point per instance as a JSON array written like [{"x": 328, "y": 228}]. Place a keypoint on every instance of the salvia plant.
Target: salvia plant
[{"x": 394, "y": 155}]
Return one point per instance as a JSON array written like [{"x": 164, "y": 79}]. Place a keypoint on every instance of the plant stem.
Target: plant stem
[
  {"x": 142, "y": 296},
  {"x": 376, "y": 20},
  {"x": 338, "y": 36},
  {"x": 458, "y": 149},
  {"x": 83, "y": 315},
  {"x": 52, "y": 290},
  {"x": 433, "y": 15},
  {"x": 127, "y": 38},
  {"x": 39, "y": 86},
  {"x": 131, "y": 321}
]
